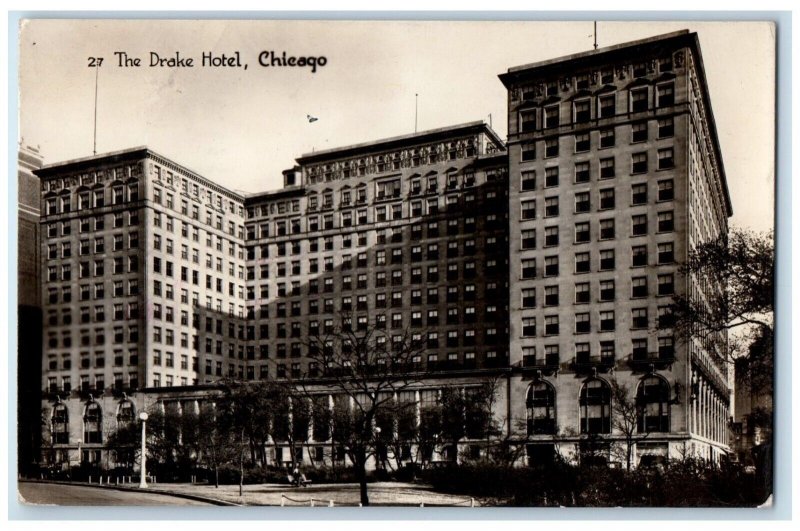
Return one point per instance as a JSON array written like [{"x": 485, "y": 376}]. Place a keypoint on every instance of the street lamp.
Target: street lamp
[{"x": 143, "y": 474}]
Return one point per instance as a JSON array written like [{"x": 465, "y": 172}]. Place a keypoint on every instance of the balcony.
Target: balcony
[
  {"x": 590, "y": 364},
  {"x": 643, "y": 360},
  {"x": 547, "y": 364}
]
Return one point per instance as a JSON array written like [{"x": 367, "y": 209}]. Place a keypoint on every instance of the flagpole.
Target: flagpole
[
  {"x": 416, "y": 97},
  {"x": 96, "y": 75},
  {"x": 595, "y": 34}
]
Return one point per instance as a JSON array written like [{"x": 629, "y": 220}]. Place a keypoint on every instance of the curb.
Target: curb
[{"x": 212, "y": 501}]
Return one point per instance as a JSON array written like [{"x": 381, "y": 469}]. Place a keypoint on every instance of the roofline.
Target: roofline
[
  {"x": 385, "y": 143},
  {"x": 49, "y": 170},
  {"x": 681, "y": 37},
  {"x": 592, "y": 53}
]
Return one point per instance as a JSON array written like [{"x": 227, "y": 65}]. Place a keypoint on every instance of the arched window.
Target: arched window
[
  {"x": 93, "y": 424},
  {"x": 595, "y": 404},
  {"x": 126, "y": 413},
  {"x": 652, "y": 397},
  {"x": 541, "y": 402},
  {"x": 117, "y": 192},
  {"x": 60, "y": 424}
]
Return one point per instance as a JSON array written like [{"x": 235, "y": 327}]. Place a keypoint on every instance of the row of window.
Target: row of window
[
  {"x": 119, "y": 335},
  {"x": 86, "y": 292},
  {"x": 97, "y": 246},
  {"x": 211, "y": 220},
  {"x": 187, "y": 187},
  {"x": 606, "y": 320},
  {"x": 86, "y": 360},
  {"x": 582, "y": 264},
  {"x": 119, "y": 312},
  {"x": 606, "y": 292},
  {"x": 607, "y": 105},
  {"x": 86, "y": 224},
  {"x": 595, "y": 404},
  {"x": 606, "y": 167},
  {"x": 96, "y": 198},
  {"x": 605, "y": 352},
  {"x": 607, "y": 138},
  {"x": 607, "y": 231}
]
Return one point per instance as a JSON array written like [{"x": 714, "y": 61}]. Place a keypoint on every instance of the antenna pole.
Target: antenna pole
[
  {"x": 490, "y": 119},
  {"x": 96, "y": 74},
  {"x": 416, "y": 98},
  {"x": 595, "y": 34}
]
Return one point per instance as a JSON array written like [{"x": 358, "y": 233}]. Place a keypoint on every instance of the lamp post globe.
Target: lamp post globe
[{"x": 143, "y": 473}]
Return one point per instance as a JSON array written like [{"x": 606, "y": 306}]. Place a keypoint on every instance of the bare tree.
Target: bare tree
[
  {"x": 625, "y": 414},
  {"x": 364, "y": 367}
]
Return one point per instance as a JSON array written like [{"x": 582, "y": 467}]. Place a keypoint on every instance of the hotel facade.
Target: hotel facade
[{"x": 541, "y": 264}]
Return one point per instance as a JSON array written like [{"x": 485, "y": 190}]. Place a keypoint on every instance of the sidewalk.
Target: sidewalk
[{"x": 342, "y": 494}]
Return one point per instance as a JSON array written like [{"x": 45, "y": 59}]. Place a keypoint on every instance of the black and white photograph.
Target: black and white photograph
[{"x": 395, "y": 263}]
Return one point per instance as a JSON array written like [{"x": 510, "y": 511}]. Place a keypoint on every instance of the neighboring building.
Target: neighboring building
[
  {"x": 615, "y": 173},
  {"x": 29, "y": 310},
  {"x": 543, "y": 267}
]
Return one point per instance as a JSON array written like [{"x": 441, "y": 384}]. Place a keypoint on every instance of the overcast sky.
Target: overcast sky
[{"x": 241, "y": 128}]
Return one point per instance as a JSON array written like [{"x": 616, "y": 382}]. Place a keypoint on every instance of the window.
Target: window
[
  {"x": 666, "y": 348},
  {"x": 665, "y": 95},
  {"x": 529, "y": 297},
  {"x": 666, "y": 127},
  {"x": 639, "y": 319},
  {"x": 639, "y": 163},
  {"x": 639, "y": 256},
  {"x": 666, "y": 253},
  {"x": 551, "y": 296},
  {"x": 582, "y": 111},
  {"x": 551, "y": 266},
  {"x": 638, "y": 287},
  {"x": 582, "y": 174},
  {"x": 639, "y": 132},
  {"x": 582, "y": 263},
  {"x": 608, "y": 105},
  {"x": 582, "y": 142},
  {"x": 666, "y": 284},
  {"x": 529, "y": 209},
  {"x": 665, "y": 159},
  {"x": 529, "y": 268},
  {"x": 606, "y": 229},
  {"x": 551, "y": 116},
  {"x": 528, "y": 152},
  {"x": 606, "y": 198},
  {"x": 527, "y": 120},
  {"x": 639, "y": 194},
  {"x": 638, "y": 98},
  {"x": 551, "y": 206},
  {"x": 529, "y": 239},
  {"x": 551, "y": 325},
  {"x": 607, "y": 321},
  {"x": 582, "y": 293},
  {"x": 529, "y": 326},
  {"x": 582, "y": 232},
  {"x": 541, "y": 402},
  {"x": 551, "y": 147},
  {"x": 653, "y": 399},
  {"x": 582, "y": 202},
  {"x": 639, "y": 225},
  {"x": 93, "y": 424},
  {"x": 550, "y": 235},
  {"x": 607, "y": 138},
  {"x": 607, "y": 290},
  {"x": 595, "y": 406},
  {"x": 607, "y": 170},
  {"x": 528, "y": 181},
  {"x": 666, "y": 190},
  {"x": 551, "y": 177},
  {"x": 582, "y": 323},
  {"x": 666, "y": 221}
]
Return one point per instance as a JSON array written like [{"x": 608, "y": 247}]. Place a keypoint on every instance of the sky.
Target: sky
[{"x": 242, "y": 127}]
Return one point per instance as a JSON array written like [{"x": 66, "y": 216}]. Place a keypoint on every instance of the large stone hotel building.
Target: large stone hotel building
[{"x": 543, "y": 263}]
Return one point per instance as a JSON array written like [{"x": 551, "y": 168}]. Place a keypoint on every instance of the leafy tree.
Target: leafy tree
[{"x": 743, "y": 262}]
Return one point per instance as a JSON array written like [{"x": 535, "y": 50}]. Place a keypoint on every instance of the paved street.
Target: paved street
[{"x": 49, "y": 494}]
